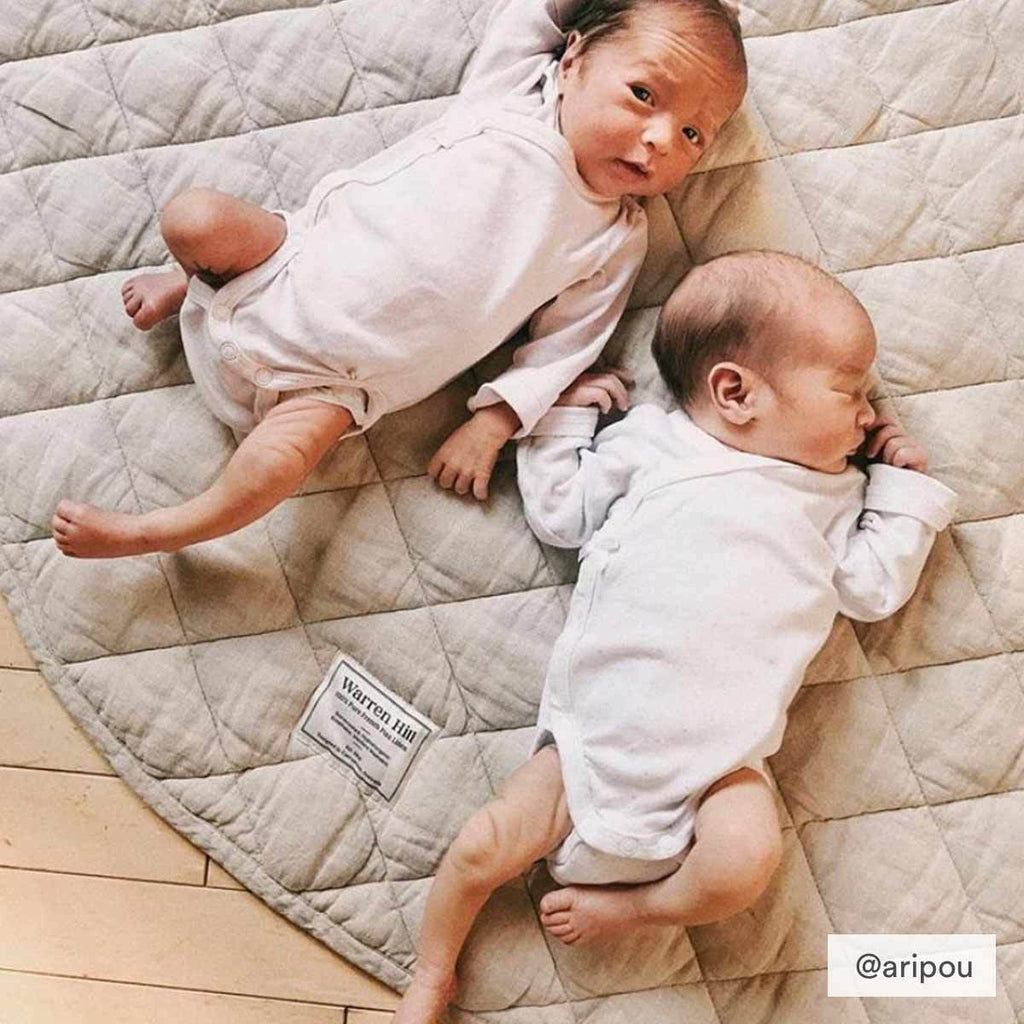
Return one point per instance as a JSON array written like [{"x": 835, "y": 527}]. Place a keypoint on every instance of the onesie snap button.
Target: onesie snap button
[
  {"x": 264, "y": 377},
  {"x": 229, "y": 350},
  {"x": 627, "y": 847},
  {"x": 220, "y": 312}
]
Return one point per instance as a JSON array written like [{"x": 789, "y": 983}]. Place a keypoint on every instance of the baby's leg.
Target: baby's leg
[
  {"x": 737, "y": 850},
  {"x": 268, "y": 466},
  {"x": 211, "y": 234},
  {"x": 527, "y": 819}
]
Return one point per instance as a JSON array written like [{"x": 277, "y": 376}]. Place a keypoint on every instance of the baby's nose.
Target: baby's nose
[{"x": 657, "y": 133}]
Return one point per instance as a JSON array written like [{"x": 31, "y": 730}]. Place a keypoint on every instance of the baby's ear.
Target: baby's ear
[
  {"x": 570, "y": 51},
  {"x": 729, "y": 388}
]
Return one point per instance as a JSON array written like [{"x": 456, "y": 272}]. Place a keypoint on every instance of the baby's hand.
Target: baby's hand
[
  {"x": 603, "y": 388},
  {"x": 888, "y": 443},
  {"x": 466, "y": 460}
]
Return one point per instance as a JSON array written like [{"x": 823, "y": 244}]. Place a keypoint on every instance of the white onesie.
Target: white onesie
[
  {"x": 402, "y": 272},
  {"x": 709, "y": 578}
]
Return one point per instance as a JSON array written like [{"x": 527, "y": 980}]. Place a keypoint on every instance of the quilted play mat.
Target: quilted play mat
[{"x": 881, "y": 138}]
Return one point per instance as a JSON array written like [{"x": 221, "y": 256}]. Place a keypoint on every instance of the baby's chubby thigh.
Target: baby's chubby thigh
[
  {"x": 737, "y": 830},
  {"x": 219, "y": 236}
]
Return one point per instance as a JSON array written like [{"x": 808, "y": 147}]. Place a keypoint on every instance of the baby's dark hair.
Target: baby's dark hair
[
  {"x": 727, "y": 310},
  {"x": 600, "y": 20}
]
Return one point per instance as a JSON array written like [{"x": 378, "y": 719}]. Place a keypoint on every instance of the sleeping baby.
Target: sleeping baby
[
  {"x": 718, "y": 543},
  {"x": 520, "y": 203}
]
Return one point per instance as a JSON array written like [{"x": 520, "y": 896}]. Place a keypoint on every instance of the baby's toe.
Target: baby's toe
[
  {"x": 64, "y": 545},
  {"x": 558, "y": 917},
  {"x": 558, "y": 901},
  {"x": 561, "y": 931},
  {"x": 69, "y": 511}
]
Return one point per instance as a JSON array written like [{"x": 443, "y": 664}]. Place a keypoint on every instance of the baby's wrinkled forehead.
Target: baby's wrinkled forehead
[
  {"x": 682, "y": 58},
  {"x": 702, "y": 41},
  {"x": 684, "y": 71},
  {"x": 705, "y": 31}
]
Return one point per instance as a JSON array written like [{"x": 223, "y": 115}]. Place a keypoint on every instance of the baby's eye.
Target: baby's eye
[
  {"x": 691, "y": 133},
  {"x": 642, "y": 94}
]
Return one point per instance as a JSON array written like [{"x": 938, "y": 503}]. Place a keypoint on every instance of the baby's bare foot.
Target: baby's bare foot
[
  {"x": 84, "y": 531},
  {"x": 425, "y": 999},
  {"x": 586, "y": 913},
  {"x": 150, "y": 298}
]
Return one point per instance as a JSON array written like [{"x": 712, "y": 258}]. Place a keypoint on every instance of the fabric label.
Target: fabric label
[{"x": 364, "y": 728}]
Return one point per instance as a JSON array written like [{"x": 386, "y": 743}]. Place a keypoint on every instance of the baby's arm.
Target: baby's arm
[
  {"x": 568, "y": 479},
  {"x": 518, "y": 43},
  {"x": 466, "y": 459},
  {"x": 566, "y": 337},
  {"x": 903, "y": 511},
  {"x": 268, "y": 466}
]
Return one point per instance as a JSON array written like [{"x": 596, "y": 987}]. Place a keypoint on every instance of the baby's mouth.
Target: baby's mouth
[{"x": 634, "y": 169}]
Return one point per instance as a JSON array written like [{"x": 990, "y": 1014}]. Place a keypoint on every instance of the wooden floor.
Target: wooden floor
[{"x": 107, "y": 914}]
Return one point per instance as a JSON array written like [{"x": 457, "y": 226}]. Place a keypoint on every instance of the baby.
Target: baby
[
  {"x": 718, "y": 543},
  {"x": 302, "y": 328}
]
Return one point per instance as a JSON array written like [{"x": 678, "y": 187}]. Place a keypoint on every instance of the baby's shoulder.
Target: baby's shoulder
[
  {"x": 649, "y": 416},
  {"x": 668, "y": 436},
  {"x": 645, "y": 427},
  {"x": 645, "y": 418},
  {"x": 657, "y": 421}
]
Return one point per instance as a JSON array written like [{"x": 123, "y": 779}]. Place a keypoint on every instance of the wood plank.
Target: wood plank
[
  {"x": 36, "y": 731},
  {"x": 88, "y": 824},
  {"x": 44, "y": 999},
  {"x": 170, "y": 935},
  {"x": 217, "y": 877},
  {"x": 368, "y": 1017},
  {"x": 13, "y": 652}
]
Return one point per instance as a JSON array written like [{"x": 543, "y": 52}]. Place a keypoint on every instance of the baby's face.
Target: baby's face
[
  {"x": 819, "y": 412},
  {"x": 640, "y": 109}
]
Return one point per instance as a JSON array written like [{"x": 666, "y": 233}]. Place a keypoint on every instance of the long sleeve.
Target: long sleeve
[
  {"x": 519, "y": 42},
  {"x": 568, "y": 334},
  {"x": 887, "y": 549},
  {"x": 568, "y": 479}
]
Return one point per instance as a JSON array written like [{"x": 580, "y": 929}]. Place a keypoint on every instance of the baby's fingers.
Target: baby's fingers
[
  {"x": 606, "y": 389},
  {"x": 881, "y": 434},
  {"x": 904, "y": 454},
  {"x": 435, "y": 465},
  {"x": 480, "y": 482},
  {"x": 614, "y": 385},
  {"x": 624, "y": 375},
  {"x": 447, "y": 476},
  {"x": 591, "y": 394}
]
